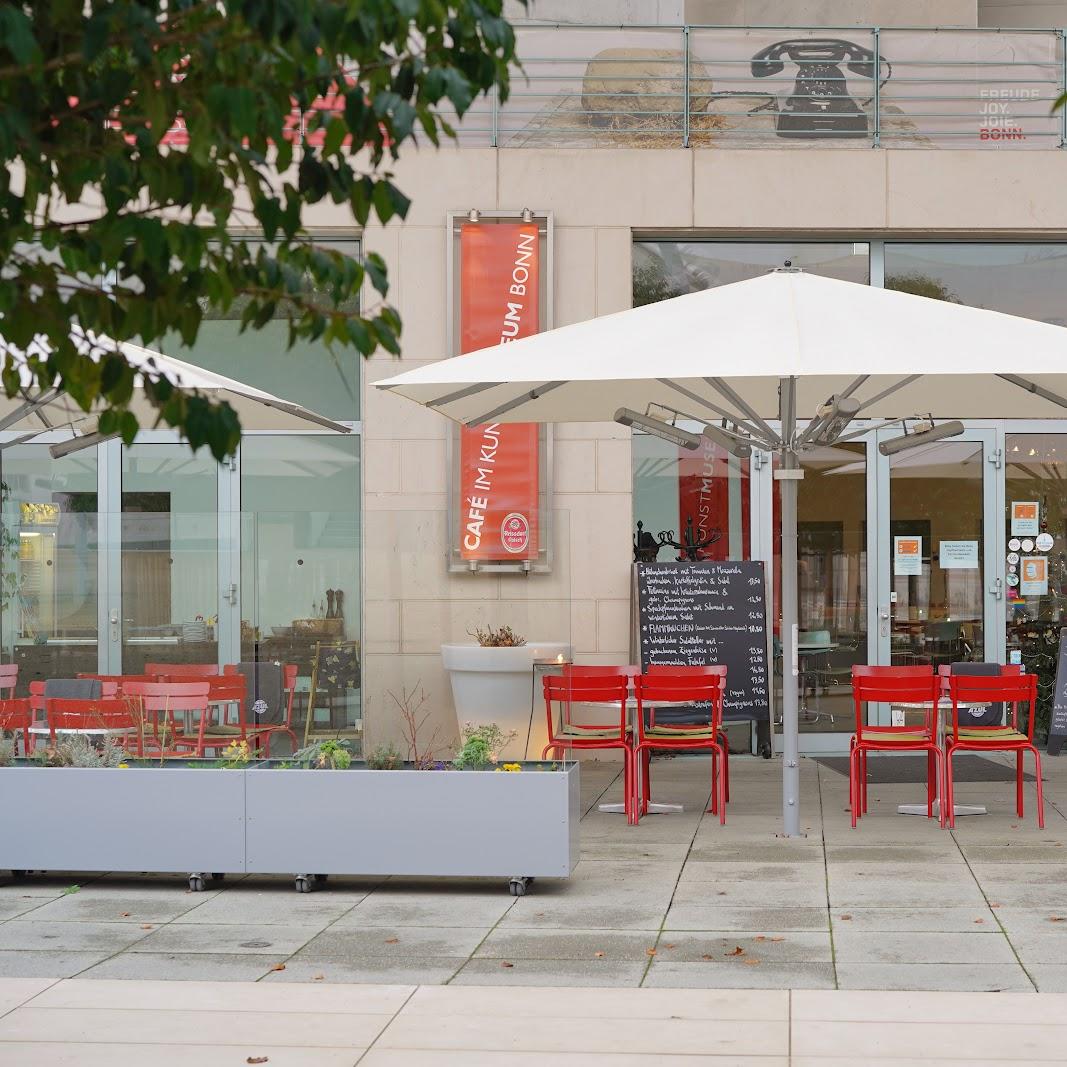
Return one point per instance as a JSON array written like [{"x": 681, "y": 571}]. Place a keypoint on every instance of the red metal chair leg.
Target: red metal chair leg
[
  {"x": 853, "y": 783},
  {"x": 950, "y": 791},
  {"x": 722, "y": 788},
  {"x": 1019, "y": 783},
  {"x": 646, "y": 779},
  {"x": 939, "y": 763},
  {"x": 713, "y": 800},
  {"x": 725, "y": 764},
  {"x": 931, "y": 787},
  {"x": 1040, "y": 791},
  {"x": 863, "y": 772}
]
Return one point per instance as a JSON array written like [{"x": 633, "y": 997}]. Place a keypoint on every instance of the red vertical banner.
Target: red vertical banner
[
  {"x": 499, "y": 466},
  {"x": 704, "y": 496}
]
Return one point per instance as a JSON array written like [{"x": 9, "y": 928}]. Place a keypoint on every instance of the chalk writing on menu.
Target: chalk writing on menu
[
  {"x": 1057, "y": 732},
  {"x": 702, "y": 614}
]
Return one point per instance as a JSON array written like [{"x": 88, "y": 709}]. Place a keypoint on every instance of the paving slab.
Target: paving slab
[
  {"x": 741, "y": 948},
  {"x": 118, "y": 906},
  {"x": 392, "y": 943},
  {"x": 569, "y": 973},
  {"x": 47, "y": 963},
  {"x": 112, "y": 1054},
  {"x": 17, "y": 991},
  {"x": 383, "y": 908},
  {"x": 184, "y": 966},
  {"x": 1049, "y": 978},
  {"x": 536, "y": 913},
  {"x": 935, "y": 919},
  {"x": 702, "y": 975},
  {"x": 964, "y": 977},
  {"x": 70, "y": 936},
  {"x": 685, "y": 916},
  {"x": 958, "y": 1008},
  {"x": 278, "y": 941},
  {"x": 260, "y": 907},
  {"x": 373, "y": 970},
  {"x": 565, "y": 945},
  {"x": 380, "y": 1057},
  {"x": 860, "y": 946}
]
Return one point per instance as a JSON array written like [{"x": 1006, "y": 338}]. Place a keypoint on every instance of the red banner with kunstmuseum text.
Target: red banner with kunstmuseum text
[{"x": 499, "y": 463}]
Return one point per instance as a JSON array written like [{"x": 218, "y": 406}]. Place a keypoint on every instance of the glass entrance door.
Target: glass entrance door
[{"x": 939, "y": 585}]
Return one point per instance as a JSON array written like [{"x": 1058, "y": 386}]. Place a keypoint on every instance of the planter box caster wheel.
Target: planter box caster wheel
[
  {"x": 196, "y": 883},
  {"x": 303, "y": 884},
  {"x": 18, "y": 876},
  {"x": 765, "y": 750},
  {"x": 518, "y": 886},
  {"x": 320, "y": 879},
  {"x": 218, "y": 877}
]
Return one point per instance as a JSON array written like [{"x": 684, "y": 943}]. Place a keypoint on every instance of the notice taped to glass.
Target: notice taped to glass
[
  {"x": 1057, "y": 727},
  {"x": 707, "y": 614}
]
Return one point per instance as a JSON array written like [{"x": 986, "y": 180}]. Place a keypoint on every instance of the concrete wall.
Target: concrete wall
[
  {"x": 1024, "y": 13},
  {"x": 599, "y": 198}
]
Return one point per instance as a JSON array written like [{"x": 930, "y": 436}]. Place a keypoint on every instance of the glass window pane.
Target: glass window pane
[
  {"x": 170, "y": 577},
  {"x": 662, "y": 269},
  {"x": 49, "y": 546},
  {"x": 1019, "y": 279},
  {"x": 301, "y": 571}
]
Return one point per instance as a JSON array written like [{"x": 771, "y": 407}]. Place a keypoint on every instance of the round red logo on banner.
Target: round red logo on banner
[{"x": 515, "y": 532}]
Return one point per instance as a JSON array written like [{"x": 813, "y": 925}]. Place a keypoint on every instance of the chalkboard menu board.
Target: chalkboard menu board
[
  {"x": 1057, "y": 732},
  {"x": 702, "y": 614}
]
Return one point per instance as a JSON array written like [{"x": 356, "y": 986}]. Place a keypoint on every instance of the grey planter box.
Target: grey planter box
[{"x": 300, "y": 822}]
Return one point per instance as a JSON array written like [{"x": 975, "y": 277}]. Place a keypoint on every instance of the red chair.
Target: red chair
[
  {"x": 1010, "y": 690},
  {"x": 162, "y": 703},
  {"x": 690, "y": 672},
  {"x": 603, "y": 687},
  {"x": 9, "y": 677},
  {"x": 266, "y": 731},
  {"x": 108, "y": 688},
  {"x": 894, "y": 685},
  {"x": 110, "y": 716},
  {"x": 186, "y": 670},
  {"x": 16, "y": 715},
  {"x": 228, "y": 696},
  {"x": 709, "y": 686}
]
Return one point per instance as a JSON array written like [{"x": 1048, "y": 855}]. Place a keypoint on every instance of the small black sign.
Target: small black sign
[
  {"x": 702, "y": 614},
  {"x": 1057, "y": 730}
]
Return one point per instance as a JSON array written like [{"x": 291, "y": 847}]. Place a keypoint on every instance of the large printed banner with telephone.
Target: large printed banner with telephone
[
  {"x": 704, "y": 481},
  {"x": 499, "y": 473}
]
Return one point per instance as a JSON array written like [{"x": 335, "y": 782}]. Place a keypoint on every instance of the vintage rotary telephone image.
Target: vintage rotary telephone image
[{"x": 819, "y": 104}]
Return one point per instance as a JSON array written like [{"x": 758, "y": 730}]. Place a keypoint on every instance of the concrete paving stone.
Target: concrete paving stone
[
  {"x": 380, "y": 1057},
  {"x": 258, "y": 907},
  {"x": 536, "y": 913},
  {"x": 959, "y": 1008},
  {"x": 561, "y": 1034},
  {"x": 391, "y": 943},
  {"x": 217, "y": 996},
  {"x": 751, "y": 894},
  {"x": 704, "y": 975},
  {"x": 116, "y": 906},
  {"x": 383, "y": 908},
  {"x": 1028, "y": 874},
  {"x": 927, "y": 1041},
  {"x": 193, "y": 1028},
  {"x": 963, "y": 977},
  {"x": 1049, "y": 922},
  {"x": 1016, "y": 852},
  {"x": 603, "y": 849},
  {"x": 698, "y": 917},
  {"x": 1039, "y": 899},
  {"x": 368, "y": 970},
  {"x": 1038, "y": 947},
  {"x": 785, "y": 873},
  {"x": 871, "y": 874},
  {"x": 935, "y": 919},
  {"x": 48, "y": 963},
  {"x": 599, "y": 1003},
  {"x": 926, "y": 855},
  {"x": 565, "y": 945},
  {"x": 113, "y": 1054},
  {"x": 564, "y": 973},
  {"x": 16, "y": 991},
  {"x": 902, "y": 892},
  {"x": 10, "y": 907},
  {"x": 759, "y": 853},
  {"x": 859, "y": 946},
  {"x": 1049, "y": 978},
  {"x": 766, "y": 946},
  {"x": 69, "y": 937},
  {"x": 274, "y": 940},
  {"x": 184, "y": 966}
]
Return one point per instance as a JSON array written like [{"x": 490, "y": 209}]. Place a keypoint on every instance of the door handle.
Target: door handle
[
  {"x": 883, "y": 617},
  {"x": 997, "y": 589},
  {"x": 230, "y": 593}
]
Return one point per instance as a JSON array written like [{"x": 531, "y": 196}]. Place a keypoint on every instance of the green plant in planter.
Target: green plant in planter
[
  {"x": 78, "y": 751},
  {"x": 7, "y": 751},
  {"x": 333, "y": 754},
  {"x": 482, "y": 746},
  {"x": 385, "y": 757},
  {"x": 497, "y": 637}
]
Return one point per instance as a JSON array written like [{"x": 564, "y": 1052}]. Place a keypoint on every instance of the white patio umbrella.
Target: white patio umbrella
[
  {"x": 785, "y": 346},
  {"x": 37, "y": 411}
]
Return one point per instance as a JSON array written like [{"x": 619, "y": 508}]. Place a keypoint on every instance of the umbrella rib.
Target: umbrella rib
[
  {"x": 1033, "y": 387},
  {"x": 458, "y": 394},
  {"x": 734, "y": 397},
  {"x": 888, "y": 392},
  {"x": 531, "y": 394},
  {"x": 29, "y": 407},
  {"x": 731, "y": 416}
]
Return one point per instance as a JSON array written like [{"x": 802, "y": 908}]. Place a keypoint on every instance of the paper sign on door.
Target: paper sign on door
[
  {"x": 1033, "y": 580},
  {"x": 1024, "y": 518},
  {"x": 907, "y": 555},
  {"x": 958, "y": 555}
]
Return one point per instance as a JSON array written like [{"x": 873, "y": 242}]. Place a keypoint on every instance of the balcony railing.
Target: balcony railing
[{"x": 766, "y": 87}]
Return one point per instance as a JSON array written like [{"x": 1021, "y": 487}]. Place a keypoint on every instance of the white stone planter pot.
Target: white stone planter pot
[{"x": 496, "y": 685}]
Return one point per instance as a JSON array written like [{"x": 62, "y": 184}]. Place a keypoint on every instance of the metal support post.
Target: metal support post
[
  {"x": 685, "y": 94},
  {"x": 877, "y": 142}
]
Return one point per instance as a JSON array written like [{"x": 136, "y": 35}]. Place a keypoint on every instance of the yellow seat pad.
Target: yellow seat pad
[
  {"x": 992, "y": 734},
  {"x": 703, "y": 734},
  {"x": 885, "y": 737},
  {"x": 570, "y": 730}
]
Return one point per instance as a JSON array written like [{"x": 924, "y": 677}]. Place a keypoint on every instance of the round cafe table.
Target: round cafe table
[{"x": 943, "y": 705}]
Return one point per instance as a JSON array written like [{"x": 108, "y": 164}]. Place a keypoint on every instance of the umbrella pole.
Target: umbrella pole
[{"x": 789, "y": 476}]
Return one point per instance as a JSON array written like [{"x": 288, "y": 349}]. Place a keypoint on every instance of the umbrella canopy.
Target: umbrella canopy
[
  {"x": 748, "y": 336},
  {"x": 776, "y": 347},
  {"x": 52, "y": 409}
]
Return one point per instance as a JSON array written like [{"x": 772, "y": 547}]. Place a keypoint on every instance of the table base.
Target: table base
[
  {"x": 654, "y": 808},
  {"x": 958, "y": 809}
]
